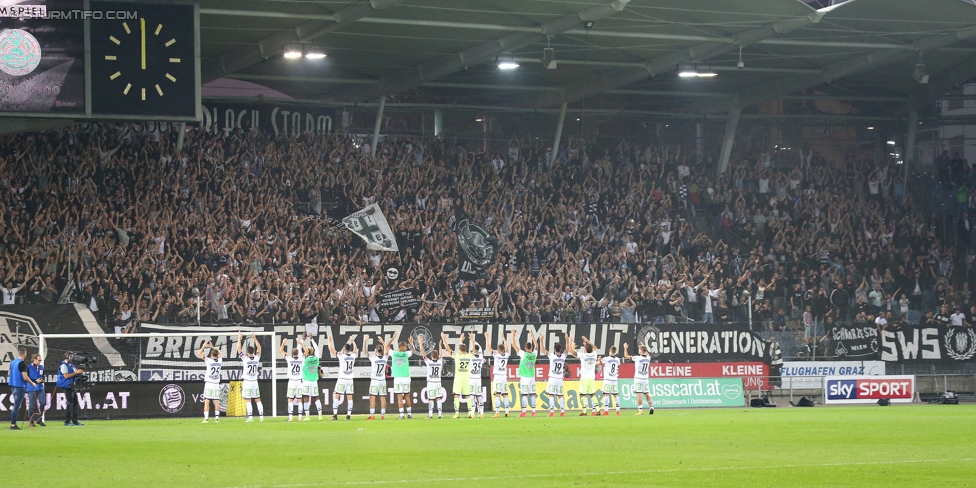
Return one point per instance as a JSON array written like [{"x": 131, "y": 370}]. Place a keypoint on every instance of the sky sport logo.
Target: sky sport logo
[{"x": 26, "y": 12}]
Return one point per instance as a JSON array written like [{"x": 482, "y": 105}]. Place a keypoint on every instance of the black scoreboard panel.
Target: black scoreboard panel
[
  {"x": 144, "y": 66},
  {"x": 99, "y": 59},
  {"x": 42, "y": 60}
]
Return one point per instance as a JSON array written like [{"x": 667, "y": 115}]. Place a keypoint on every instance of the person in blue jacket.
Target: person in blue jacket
[
  {"x": 36, "y": 396},
  {"x": 18, "y": 379}
]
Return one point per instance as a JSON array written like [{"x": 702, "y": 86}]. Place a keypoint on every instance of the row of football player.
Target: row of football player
[{"x": 304, "y": 372}]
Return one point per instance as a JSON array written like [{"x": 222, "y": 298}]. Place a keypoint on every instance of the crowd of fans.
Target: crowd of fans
[{"x": 626, "y": 231}]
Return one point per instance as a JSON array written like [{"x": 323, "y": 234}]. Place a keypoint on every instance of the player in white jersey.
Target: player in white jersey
[
  {"x": 587, "y": 386},
  {"x": 611, "y": 371},
  {"x": 249, "y": 377},
  {"x": 557, "y": 371},
  {"x": 347, "y": 361},
  {"x": 436, "y": 394},
  {"x": 642, "y": 366},
  {"x": 378, "y": 360},
  {"x": 211, "y": 386},
  {"x": 476, "y": 392},
  {"x": 294, "y": 392},
  {"x": 499, "y": 374}
]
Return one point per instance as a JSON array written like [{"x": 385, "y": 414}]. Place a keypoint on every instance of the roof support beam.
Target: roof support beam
[
  {"x": 451, "y": 63},
  {"x": 244, "y": 56},
  {"x": 582, "y": 32},
  {"x": 840, "y": 69},
  {"x": 617, "y": 78}
]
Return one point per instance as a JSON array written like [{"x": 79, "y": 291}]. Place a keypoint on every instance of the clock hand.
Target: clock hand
[{"x": 142, "y": 24}]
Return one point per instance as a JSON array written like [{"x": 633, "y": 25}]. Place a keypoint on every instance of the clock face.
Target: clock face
[{"x": 144, "y": 65}]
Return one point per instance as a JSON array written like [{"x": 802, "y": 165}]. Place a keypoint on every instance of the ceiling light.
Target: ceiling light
[
  {"x": 920, "y": 75},
  {"x": 891, "y": 143},
  {"x": 314, "y": 53},
  {"x": 871, "y": 128},
  {"x": 479, "y": 120},
  {"x": 292, "y": 52},
  {"x": 506, "y": 61},
  {"x": 697, "y": 74},
  {"x": 741, "y": 64}
]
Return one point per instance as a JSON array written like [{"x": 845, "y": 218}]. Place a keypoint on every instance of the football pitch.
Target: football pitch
[{"x": 914, "y": 445}]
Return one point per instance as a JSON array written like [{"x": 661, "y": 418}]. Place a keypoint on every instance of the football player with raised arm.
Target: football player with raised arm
[
  {"x": 211, "y": 385},
  {"x": 611, "y": 372},
  {"x": 293, "y": 395},
  {"x": 557, "y": 370},
  {"x": 252, "y": 366},
  {"x": 378, "y": 360},
  {"x": 526, "y": 371},
  {"x": 475, "y": 386},
  {"x": 435, "y": 392},
  {"x": 462, "y": 372},
  {"x": 499, "y": 374},
  {"x": 311, "y": 373},
  {"x": 400, "y": 369},
  {"x": 642, "y": 367},
  {"x": 344, "y": 386},
  {"x": 588, "y": 361}
]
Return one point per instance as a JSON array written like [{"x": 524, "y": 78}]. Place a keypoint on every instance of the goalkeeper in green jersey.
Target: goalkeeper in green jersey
[
  {"x": 400, "y": 368},
  {"x": 526, "y": 370}
]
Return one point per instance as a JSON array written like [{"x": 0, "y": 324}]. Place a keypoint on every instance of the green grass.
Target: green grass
[{"x": 919, "y": 445}]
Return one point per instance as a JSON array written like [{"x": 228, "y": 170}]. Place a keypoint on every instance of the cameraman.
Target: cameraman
[
  {"x": 66, "y": 381},
  {"x": 18, "y": 380}
]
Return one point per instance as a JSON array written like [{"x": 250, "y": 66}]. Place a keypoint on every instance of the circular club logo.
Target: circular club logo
[
  {"x": 960, "y": 343},
  {"x": 19, "y": 52},
  {"x": 171, "y": 398},
  {"x": 393, "y": 273}
]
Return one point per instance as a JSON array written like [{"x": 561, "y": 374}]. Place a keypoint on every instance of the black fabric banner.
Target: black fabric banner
[
  {"x": 703, "y": 342},
  {"x": 857, "y": 342},
  {"x": 397, "y": 299},
  {"x": 928, "y": 344},
  {"x": 476, "y": 249}
]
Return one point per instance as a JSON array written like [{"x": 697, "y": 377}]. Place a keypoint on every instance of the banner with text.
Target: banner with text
[
  {"x": 809, "y": 374},
  {"x": 919, "y": 343},
  {"x": 853, "y": 342},
  {"x": 868, "y": 389},
  {"x": 267, "y": 117}
]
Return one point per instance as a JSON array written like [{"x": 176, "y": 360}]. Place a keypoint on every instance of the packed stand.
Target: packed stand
[{"x": 601, "y": 231}]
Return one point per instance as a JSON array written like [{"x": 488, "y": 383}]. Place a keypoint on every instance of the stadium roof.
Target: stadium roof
[{"x": 445, "y": 51}]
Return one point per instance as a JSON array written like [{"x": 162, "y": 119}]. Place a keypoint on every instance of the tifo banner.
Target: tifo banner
[
  {"x": 703, "y": 342},
  {"x": 868, "y": 389},
  {"x": 809, "y": 374},
  {"x": 928, "y": 344},
  {"x": 21, "y": 324},
  {"x": 267, "y": 117},
  {"x": 370, "y": 224},
  {"x": 397, "y": 299},
  {"x": 853, "y": 342}
]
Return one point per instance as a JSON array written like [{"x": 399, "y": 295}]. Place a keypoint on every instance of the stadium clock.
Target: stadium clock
[{"x": 145, "y": 64}]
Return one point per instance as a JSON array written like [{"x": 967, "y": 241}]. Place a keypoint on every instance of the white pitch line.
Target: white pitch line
[{"x": 605, "y": 473}]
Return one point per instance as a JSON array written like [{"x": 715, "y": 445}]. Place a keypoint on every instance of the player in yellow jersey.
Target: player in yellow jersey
[{"x": 462, "y": 372}]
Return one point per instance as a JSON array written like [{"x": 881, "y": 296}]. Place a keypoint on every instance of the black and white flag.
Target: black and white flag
[
  {"x": 370, "y": 224},
  {"x": 476, "y": 249}
]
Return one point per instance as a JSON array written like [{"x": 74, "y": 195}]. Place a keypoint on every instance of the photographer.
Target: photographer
[
  {"x": 19, "y": 381},
  {"x": 66, "y": 380},
  {"x": 36, "y": 397}
]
